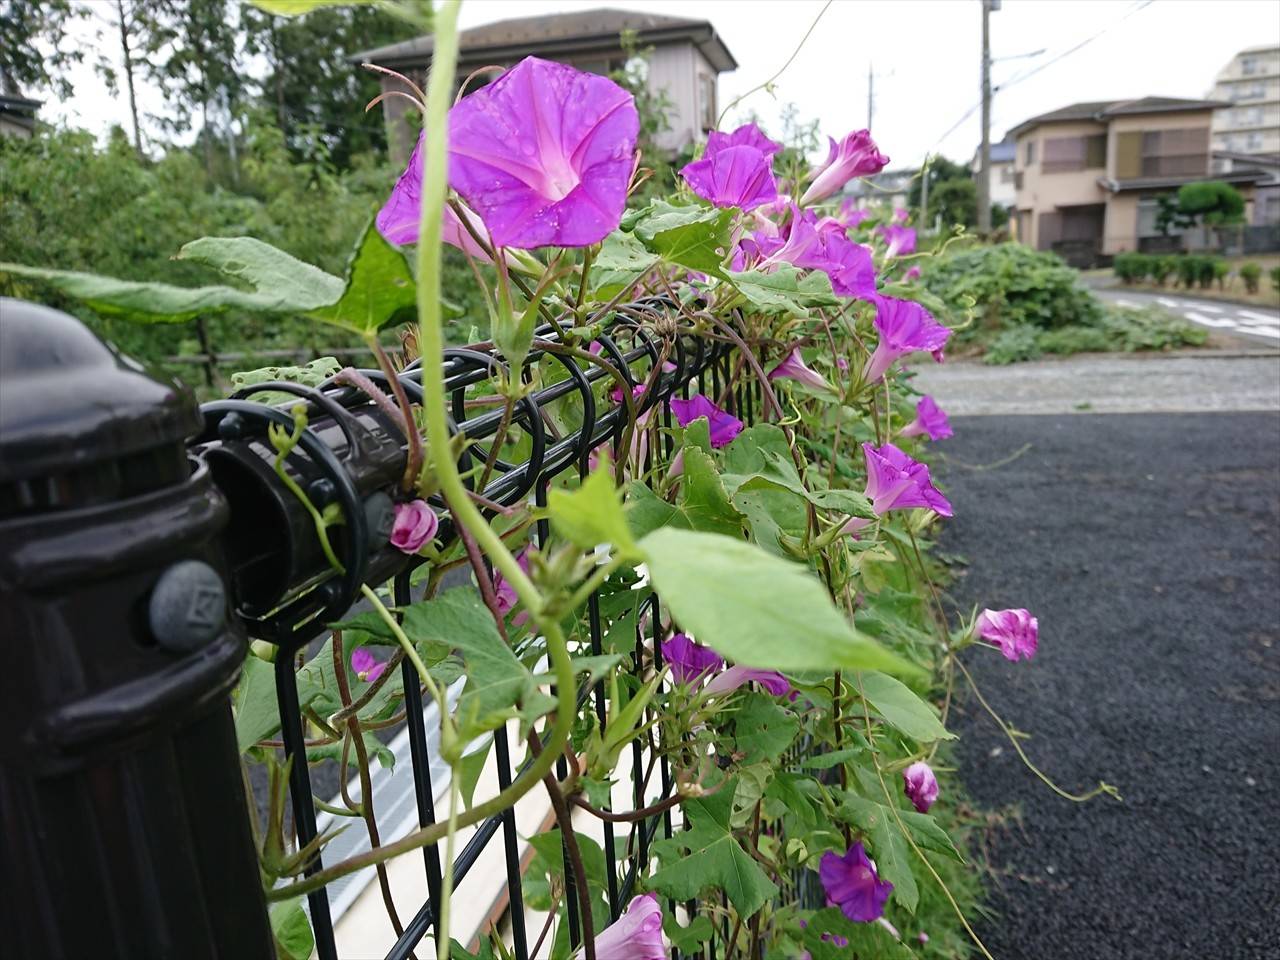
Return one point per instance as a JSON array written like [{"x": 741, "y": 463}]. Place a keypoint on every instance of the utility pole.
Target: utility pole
[
  {"x": 924, "y": 224},
  {"x": 871, "y": 87},
  {"x": 984, "y": 158}
]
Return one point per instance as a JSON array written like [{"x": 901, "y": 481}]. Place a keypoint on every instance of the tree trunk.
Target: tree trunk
[{"x": 128, "y": 72}]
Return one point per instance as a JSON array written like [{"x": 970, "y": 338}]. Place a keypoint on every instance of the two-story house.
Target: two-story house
[
  {"x": 685, "y": 60},
  {"x": 1249, "y": 121},
  {"x": 1088, "y": 176}
]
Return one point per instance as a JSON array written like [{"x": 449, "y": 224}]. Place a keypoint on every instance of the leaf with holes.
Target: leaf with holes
[{"x": 762, "y": 729}]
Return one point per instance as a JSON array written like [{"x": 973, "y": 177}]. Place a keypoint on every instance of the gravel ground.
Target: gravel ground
[{"x": 1149, "y": 547}]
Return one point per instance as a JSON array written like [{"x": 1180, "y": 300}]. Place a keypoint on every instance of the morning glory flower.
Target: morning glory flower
[
  {"x": 748, "y": 135},
  {"x": 737, "y": 176},
  {"x": 930, "y": 421},
  {"x": 913, "y": 273},
  {"x": 793, "y": 368},
  {"x": 1015, "y": 632},
  {"x": 636, "y": 935},
  {"x": 920, "y": 785},
  {"x": 823, "y": 245},
  {"x": 853, "y": 885},
  {"x": 854, "y": 156},
  {"x": 903, "y": 326},
  {"x": 774, "y": 682},
  {"x": 850, "y": 216},
  {"x": 506, "y": 594},
  {"x": 414, "y": 525},
  {"x": 901, "y": 214},
  {"x": 365, "y": 666},
  {"x": 544, "y": 154},
  {"x": 896, "y": 482},
  {"x": 723, "y": 425},
  {"x": 901, "y": 240},
  {"x": 689, "y": 661}
]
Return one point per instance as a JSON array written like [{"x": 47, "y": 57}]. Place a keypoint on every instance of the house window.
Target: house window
[
  {"x": 1248, "y": 66},
  {"x": 1065, "y": 154},
  {"x": 707, "y": 101},
  {"x": 1175, "y": 153},
  {"x": 1030, "y": 156},
  {"x": 1253, "y": 141}
]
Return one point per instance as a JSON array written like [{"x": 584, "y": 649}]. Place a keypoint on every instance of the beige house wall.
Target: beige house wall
[
  {"x": 1044, "y": 192},
  {"x": 1120, "y": 228},
  {"x": 1151, "y": 122}
]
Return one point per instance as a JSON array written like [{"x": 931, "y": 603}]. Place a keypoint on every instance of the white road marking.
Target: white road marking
[
  {"x": 1126, "y": 303},
  {"x": 1262, "y": 331},
  {"x": 1209, "y": 321},
  {"x": 1261, "y": 317},
  {"x": 1166, "y": 302},
  {"x": 1268, "y": 322},
  {"x": 1208, "y": 309}
]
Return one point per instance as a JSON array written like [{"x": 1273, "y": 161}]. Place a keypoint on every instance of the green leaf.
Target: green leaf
[
  {"x": 469, "y": 769},
  {"x": 333, "y": 751},
  {"x": 257, "y": 712},
  {"x": 902, "y": 709},
  {"x": 379, "y": 289},
  {"x": 646, "y": 511},
  {"x": 310, "y": 374},
  {"x": 867, "y": 940},
  {"x": 686, "y": 939},
  {"x": 762, "y": 729},
  {"x": 785, "y": 290},
  {"x": 755, "y": 608},
  {"x": 889, "y": 849},
  {"x": 824, "y": 761},
  {"x": 592, "y": 515},
  {"x": 708, "y": 855},
  {"x": 622, "y": 260},
  {"x": 291, "y": 929},
  {"x": 703, "y": 499}
]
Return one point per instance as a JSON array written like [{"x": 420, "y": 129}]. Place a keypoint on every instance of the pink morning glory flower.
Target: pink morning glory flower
[
  {"x": 794, "y": 368},
  {"x": 920, "y": 785},
  {"x": 853, "y": 885},
  {"x": 748, "y": 135},
  {"x": 365, "y": 666},
  {"x": 506, "y": 593},
  {"x": 903, "y": 326},
  {"x": 544, "y": 154},
  {"x": 739, "y": 176},
  {"x": 930, "y": 422},
  {"x": 823, "y": 245},
  {"x": 689, "y": 661},
  {"x": 901, "y": 240},
  {"x": 854, "y": 156},
  {"x": 913, "y": 273},
  {"x": 637, "y": 934},
  {"x": 901, "y": 214},
  {"x": 723, "y": 425},
  {"x": 414, "y": 525},
  {"x": 734, "y": 677},
  {"x": 896, "y": 482},
  {"x": 1015, "y": 632},
  {"x": 850, "y": 216}
]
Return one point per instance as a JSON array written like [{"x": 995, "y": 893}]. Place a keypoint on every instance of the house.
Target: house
[
  {"x": 1002, "y": 191},
  {"x": 1249, "y": 121},
  {"x": 888, "y": 188},
  {"x": 18, "y": 116},
  {"x": 1088, "y": 176},
  {"x": 685, "y": 59},
  {"x": 1266, "y": 192}
]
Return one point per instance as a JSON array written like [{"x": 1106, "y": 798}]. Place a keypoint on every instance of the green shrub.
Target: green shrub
[
  {"x": 1012, "y": 286},
  {"x": 1149, "y": 328},
  {"x": 1188, "y": 270},
  {"x": 1163, "y": 267},
  {"x": 1013, "y": 345},
  {"x": 1251, "y": 273},
  {"x": 1275, "y": 279},
  {"x": 1221, "y": 270},
  {"x": 1133, "y": 267},
  {"x": 1075, "y": 340}
]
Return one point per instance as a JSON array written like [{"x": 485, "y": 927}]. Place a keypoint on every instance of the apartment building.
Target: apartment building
[
  {"x": 1088, "y": 176},
  {"x": 1249, "y": 86}
]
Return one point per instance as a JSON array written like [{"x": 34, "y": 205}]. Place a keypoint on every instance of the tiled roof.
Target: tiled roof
[
  {"x": 1103, "y": 110},
  {"x": 555, "y": 30}
]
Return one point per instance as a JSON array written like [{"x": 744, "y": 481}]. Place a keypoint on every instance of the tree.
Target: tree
[
  {"x": 1212, "y": 202},
  {"x": 130, "y": 20},
  {"x": 36, "y": 49},
  {"x": 940, "y": 170},
  {"x": 956, "y": 201}
]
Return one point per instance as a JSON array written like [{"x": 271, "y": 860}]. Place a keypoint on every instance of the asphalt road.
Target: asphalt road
[
  {"x": 1247, "y": 323},
  {"x": 1149, "y": 547}
]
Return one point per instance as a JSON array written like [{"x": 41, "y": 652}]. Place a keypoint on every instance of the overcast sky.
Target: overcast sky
[{"x": 925, "y": 55}]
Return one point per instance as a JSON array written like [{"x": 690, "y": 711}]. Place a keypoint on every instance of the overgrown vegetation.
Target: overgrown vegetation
[{"x": 1025, "y": 303}]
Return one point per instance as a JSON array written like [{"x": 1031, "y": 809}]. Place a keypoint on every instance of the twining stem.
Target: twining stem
[
  {"x": 570, "y": 840},
  {"x": 414, "y": 462},
  {"x": 446, "y": 882},
  {"x": 411, "y": 652}
]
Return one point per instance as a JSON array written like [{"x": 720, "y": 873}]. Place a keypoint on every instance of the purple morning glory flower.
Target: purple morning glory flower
[
  {"x": 903, "y": 326},
  {"x": 901, "y": 214},
  {"x": 852, "y": 884},
  {"x": 365, "y": 666},
  {"x": 850, "y": 216},
  {"x": 723, "y": 425},
  {"x": 920, "y": 785},
  {"x": 414, "y": 525},
  {"x": 636, "y": 935},
  {"x": 544, "y": 154},
  {"x": 854, "y": 156},
  {"x": 1015, "y": 632},
  {"x": 896, "y": 482},
  {"x": 930, "y": 421},
  {"x": 901, "y": 240},
  {"x": 734, "y": 677},
  {"x": 736, "y": 176},
  {"x": 823, "y": 245},
  {"x": 689, "y": 661},
  {"x": 506, "y": 593},
  {"x": 793, "y": 368},
  {"x": 913, "y": 273},
  {"x": 748, "y": 135}
]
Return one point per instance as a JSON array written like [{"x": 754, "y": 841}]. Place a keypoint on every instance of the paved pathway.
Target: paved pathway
[
  {"x": 1256, "y": 323},
  {"x": 1148, "y": 544}
]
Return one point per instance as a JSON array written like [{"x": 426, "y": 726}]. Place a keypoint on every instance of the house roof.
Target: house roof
[
  {"x": 1003, "y": 152},
  {"x": 19, "y": 110},
  {"x": 1101, "y": 111},
  {"x": 1156, "y": 183},
  {"x": 561, "y": 33}
]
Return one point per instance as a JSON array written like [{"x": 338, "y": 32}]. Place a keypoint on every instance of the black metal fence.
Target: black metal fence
[{"x": 351, "y": 455}]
